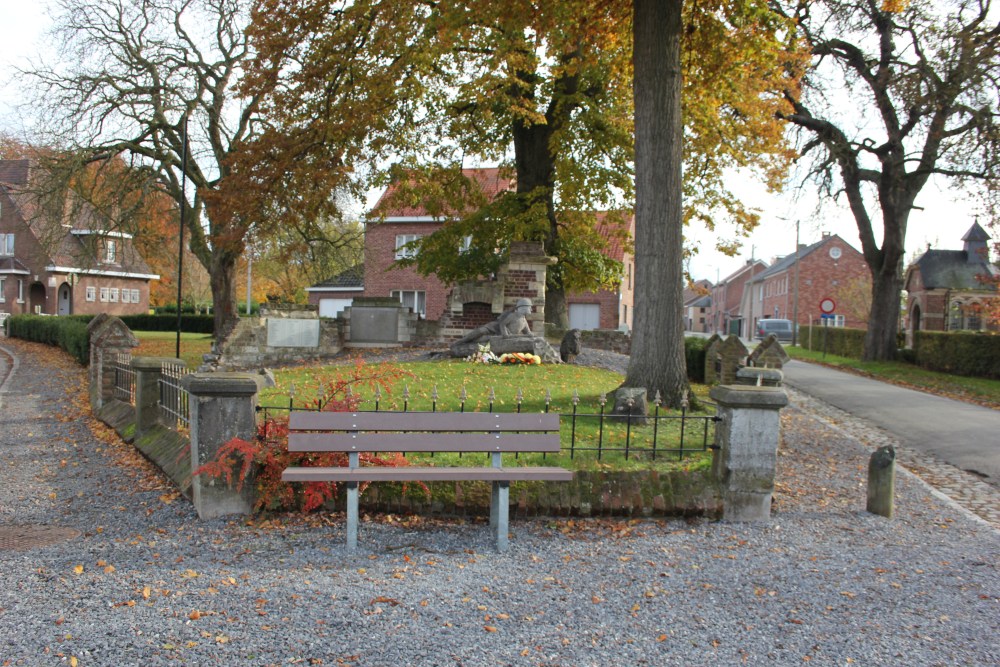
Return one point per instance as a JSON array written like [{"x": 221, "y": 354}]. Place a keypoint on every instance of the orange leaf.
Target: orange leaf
[{"x": 489, "y": 628}]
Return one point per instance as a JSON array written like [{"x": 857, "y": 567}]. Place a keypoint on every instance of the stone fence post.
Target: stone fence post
[
  {"x": 746, "y": 452},
  {"x": 147, "y": 390},
  {"x": 223, "y": 407},
  {"x": 109, "y": 337}
]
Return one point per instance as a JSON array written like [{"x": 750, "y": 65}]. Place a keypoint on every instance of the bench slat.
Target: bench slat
[
  {"x": 423, "y": 474},
  {"x": 422, "y": 421},
  {"x": 423, "y": 442}
]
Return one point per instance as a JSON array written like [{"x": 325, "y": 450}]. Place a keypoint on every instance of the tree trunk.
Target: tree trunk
[
  {"x": 883, "y": 322},
  {"x": 535, "y": 167},
  {"x": 222, "y": 276},
  {"x": 657, "y": 362}
]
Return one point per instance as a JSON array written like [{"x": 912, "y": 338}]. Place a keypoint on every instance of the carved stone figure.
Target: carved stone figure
[
  {"x": 569, "y": 348},
  {"x": 509, "y": 333}
]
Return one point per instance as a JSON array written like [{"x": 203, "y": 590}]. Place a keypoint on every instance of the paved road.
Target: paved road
[{"x": 964, "y": 435}]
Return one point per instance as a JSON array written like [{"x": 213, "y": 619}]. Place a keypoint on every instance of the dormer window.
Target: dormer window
[
  {"x": 110, "y": 249},
  {"x": 6, "y": 244}
]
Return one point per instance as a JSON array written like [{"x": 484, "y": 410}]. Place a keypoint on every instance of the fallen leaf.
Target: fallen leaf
[
  {"x": 78, "y": 569},
  {"x": 489, "y": 628},
  {"x": 194, "y": 615},
  {"x": 661, "y": 638}
]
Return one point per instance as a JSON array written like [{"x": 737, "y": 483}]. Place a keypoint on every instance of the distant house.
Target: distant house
[
  {"x": 947, "y": 289},
  {"x": 823, "y": 270},
  {"x": 697, "y": 303},
  {"x": 725, "y": 313},
  {"x": 63, "y": 266},
  {"x": 334, "y": 294},
  {"x": 386, "y": 241}
]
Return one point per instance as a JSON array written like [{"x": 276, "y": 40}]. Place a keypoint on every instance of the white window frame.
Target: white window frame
[
  {"x": 114, "y": 295},
  {"x": 465, "y": 245},
  {"x": 402, "y": 240},
  {"x": 6, "y": 245},
  {"x": 110, "y": 250},
  {"x": 417, "y": 302},
  {"x": 126, "y": 296},
  {"x": 91, "y": 293},
  {"x": 135, "y": 296},
  {"x": 3, "y": 289},
  {"x": 20, "y": 290},
  {"x": 105, "y": 294}
]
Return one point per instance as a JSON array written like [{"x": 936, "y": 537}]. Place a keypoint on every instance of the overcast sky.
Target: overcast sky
[{"x": 943, "y": 220}]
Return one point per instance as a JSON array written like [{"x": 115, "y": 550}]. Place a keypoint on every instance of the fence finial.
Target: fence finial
[{"x": 576, "y": 397}]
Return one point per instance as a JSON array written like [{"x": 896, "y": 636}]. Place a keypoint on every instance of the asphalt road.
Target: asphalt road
[{"x": 965, "y": 435}]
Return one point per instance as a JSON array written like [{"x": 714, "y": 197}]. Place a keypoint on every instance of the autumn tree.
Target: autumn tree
[{"x": 929, "y": 72}]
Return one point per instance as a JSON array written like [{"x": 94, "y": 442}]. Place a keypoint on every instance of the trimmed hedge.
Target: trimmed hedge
[
  {"x": 840, "y": 341},
  {"x": 204, "y": 324},
  {"x": 69, "y": 333},
  {"x": 972, "y": 354},
  {"x": 694, "y": 355}
]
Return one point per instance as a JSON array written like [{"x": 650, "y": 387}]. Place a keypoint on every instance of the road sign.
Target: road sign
[{"x": 828, "y": 305}]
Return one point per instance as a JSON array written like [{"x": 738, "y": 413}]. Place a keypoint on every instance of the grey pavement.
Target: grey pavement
[{"x": 964, "y": 435}]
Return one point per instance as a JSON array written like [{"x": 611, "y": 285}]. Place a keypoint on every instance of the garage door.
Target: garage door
[
  {"x": 584, "y": 316},
  {"x": 330, "y": 307}
]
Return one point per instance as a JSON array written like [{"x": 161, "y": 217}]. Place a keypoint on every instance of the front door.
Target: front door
[{"x": 65, "y": 300}]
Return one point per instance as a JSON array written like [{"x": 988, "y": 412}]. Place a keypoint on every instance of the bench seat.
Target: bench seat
[{"x": 424, "y": 474}]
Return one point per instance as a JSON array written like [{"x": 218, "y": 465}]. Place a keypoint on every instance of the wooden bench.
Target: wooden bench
[{"x": 468, "y": 432}]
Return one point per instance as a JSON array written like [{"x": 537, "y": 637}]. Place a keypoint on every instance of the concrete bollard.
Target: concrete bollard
[{"x": 882, "y": 482}]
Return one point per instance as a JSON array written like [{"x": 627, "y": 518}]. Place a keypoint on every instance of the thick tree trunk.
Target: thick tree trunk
[
  {"x": 222, "y": 276},
  {"x": 657, "y": 362},
  {"x": 883, "y": 322}
]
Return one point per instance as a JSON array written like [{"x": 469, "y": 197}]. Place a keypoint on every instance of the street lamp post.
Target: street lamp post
[{"x": 795, "y": 297}]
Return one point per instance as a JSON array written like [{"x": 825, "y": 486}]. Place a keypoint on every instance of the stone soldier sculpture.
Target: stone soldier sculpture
[{"x": 511, "y": 323}]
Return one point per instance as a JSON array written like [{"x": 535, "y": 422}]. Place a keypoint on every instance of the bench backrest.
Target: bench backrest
[{"x": 422, "y": 432}]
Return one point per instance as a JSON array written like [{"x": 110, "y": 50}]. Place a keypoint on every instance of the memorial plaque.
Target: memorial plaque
[
  {"x": 292, "y": 333},
  {"x": 374, "y": 325}
]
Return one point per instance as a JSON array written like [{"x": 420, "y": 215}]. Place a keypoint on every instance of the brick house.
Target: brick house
[
  {"x": 947, "y": 289},
  {"x": 334, "y": 294},
  {"x": 432, "y": 299},
  {"x": 725, "y": 314},
  {"x": 827, "y": 269},
  {"x": 697, "y": 304},
  {"x": 63, "y": 266}
]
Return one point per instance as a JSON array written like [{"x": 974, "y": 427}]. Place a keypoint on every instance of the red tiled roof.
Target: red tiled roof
[
  {"x": 609, "y": 231},
  {"x": 489, "y": 180},
  {"x": 14, "y": 172}
]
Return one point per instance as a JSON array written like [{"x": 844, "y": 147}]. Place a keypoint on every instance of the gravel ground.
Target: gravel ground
[{"x": 146, "y": 582}]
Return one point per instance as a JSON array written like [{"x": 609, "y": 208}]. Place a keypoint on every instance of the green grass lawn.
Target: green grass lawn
[
  {"x": 438, "y": 385},
  {"x": 164, "y": 344},
  {"x": 978, "y": 390}
]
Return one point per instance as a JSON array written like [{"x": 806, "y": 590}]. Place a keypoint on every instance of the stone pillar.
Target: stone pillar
[
  {"x": 147, "y": 390},
  {"x": 734, "y": 356},
  {"x": 524, "y": 278},
  {"x": 222, "y": 407},
  {"x": 746, "y": 452},
  {"x": 712, "y": 359},
  {"x": 109, "y": 337}
]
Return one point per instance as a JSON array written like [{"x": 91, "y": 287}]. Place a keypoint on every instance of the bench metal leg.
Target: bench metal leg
[
  {"x": 352, "y": 516},
  {"x": 499, "y": 513}
]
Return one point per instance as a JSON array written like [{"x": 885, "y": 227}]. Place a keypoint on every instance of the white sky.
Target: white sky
[{"x": 942, "y": 222}]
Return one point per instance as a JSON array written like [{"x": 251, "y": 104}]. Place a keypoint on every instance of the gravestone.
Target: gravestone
[
  {"x": 631, "y": 401},
  {"x": 734, "y": 356},
  {"x": 292, "y": 333},
  {"x": 372, "y": 324},
  {"x": 712, "y": 359},
  {"x": 769, "y": 354}
]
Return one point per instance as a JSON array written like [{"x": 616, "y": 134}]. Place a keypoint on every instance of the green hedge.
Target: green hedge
[
  {"x": 840, "y": 341},
  {"x": 204, "y": 324},
  {"x": 960, "y": 353},
  {"x": 694, "y": 354},
  {"x": 69, "y": 333}
]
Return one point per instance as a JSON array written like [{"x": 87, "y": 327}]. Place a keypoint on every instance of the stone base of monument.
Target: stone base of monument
[
  {"x": 630, "y": 403},
  {"x": 506, "y": 344}
]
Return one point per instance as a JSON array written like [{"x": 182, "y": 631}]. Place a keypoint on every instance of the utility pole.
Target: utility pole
[{"x": 795, "y": 299}]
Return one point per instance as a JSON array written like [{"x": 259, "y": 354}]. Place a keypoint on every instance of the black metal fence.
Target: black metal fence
[
  {"x": 124, "y": 378},
  {"x": 597, "y": 432}
]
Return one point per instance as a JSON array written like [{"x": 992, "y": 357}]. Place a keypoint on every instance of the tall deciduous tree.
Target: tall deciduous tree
[
  {"x": 930, "y": 74},
  {"x": 657, "y": 360}
]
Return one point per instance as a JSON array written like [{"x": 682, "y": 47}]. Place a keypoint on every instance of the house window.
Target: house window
[
  {"x": 110, "y": 247},
  {"x": 465, "y": 245},
  {"x": 415, "y": 300},
  {"x": 6, "y": 244},
  {"x": 403, "y": 252},
  {"x": 91, "y": 293},
  {"x": 20, "y": 291},
  {"x": 135, "y": 296},
  {"x": 3, "y": 290},
  {"x": 114, "y": 295},
  {"x": 126, "y": 296},
  {"x": 105, "y": 294}
]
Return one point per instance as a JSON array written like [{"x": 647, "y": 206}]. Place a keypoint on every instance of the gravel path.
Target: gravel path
[{"x": 146, "y": 582}]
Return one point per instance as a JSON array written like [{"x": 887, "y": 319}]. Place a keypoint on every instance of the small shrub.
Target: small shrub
[
  {"x": 694, "y": 354},
  {"x": 262, "y": 460},
  {"x": 961, "y": 353},
  {"x": 69, "y": 333}
]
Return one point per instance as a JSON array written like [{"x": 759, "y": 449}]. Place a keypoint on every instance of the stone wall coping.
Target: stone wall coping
[
  {"x": 767, "y": 374},
  {"x": 220, "y": 384},
  {"x": 155, "y": 363},
  {"x": 763, "y": 398}
]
